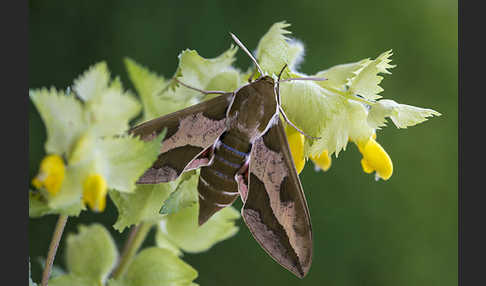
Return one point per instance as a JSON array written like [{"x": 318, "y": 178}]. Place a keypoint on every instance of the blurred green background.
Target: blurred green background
[{"x": 399, "y": 232}]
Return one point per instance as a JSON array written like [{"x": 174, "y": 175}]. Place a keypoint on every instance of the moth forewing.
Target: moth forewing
[
  {"x": 190, "y": 132},
  {"x": 275, "y": 209}
]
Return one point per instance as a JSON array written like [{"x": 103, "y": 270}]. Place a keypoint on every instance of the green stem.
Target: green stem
[
  {"x": 133, "y": 243},
  {"x": 56, "y": 238}
]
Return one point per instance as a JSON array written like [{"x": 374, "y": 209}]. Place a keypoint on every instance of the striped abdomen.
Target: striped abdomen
[{"x": 217, "y": 185}]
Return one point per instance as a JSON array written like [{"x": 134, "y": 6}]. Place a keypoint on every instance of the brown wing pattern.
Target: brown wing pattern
[
  {"x": 275, "y": 209},
  {"x": 190, "y": 132}
]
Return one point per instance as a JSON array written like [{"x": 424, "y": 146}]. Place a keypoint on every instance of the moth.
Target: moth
[{"x": 238, "y": 141}]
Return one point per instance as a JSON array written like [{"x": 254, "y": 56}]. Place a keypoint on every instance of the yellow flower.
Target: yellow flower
[
  {"x": 51, "y": 174},
  {"x": 94, "y": 192},
  {"x": 375, "y": 158},
  {"x": 296, "y": 144},
  {"x": 323, "y": 161}
]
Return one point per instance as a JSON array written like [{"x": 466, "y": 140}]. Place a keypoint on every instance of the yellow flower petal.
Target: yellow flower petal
[
  {"x": 323, "y": 161},
  {"x": 51, "y": 174},
  {"x": 296, "y": 144},
  {"x": 375, "y": 158},
  {"x": 94, "y": 192}
]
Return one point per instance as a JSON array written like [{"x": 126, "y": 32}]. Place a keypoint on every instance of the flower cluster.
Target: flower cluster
[
  {"x": 86, "y": 148},
  {"x": 344, "y": 108}
]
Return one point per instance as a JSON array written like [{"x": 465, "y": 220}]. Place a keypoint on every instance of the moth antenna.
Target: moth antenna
[
  {"x": 201, "y": 90},
  {"x": 303, "y": 78},
  {"x": 278, "y": 85},
  {"x": 282, "y": 111},
  {"x": 240, "y": 44}
]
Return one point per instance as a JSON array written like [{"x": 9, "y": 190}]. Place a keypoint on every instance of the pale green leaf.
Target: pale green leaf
[
  {"x": 339, "y": 76},
  {"x": 108, "y": 108},
  {"x": 72, "y": 187},
  {"x": 402, "y": 115},
  {"x": 73, "y": 280},
  {"x": 92, "y": 82},
  {"x": 321, "y": 113},
  {"x": 113, "y": 282},
  {"x": 198, "y": 72},
  {"x": 126, "y": 158},
  {"x": 366, "y": 82},
  {"x": 182, "y": 228},
  {"x": 62, "y": 116},
  {"x": 110, "y": 111},
  {"x": 149, "y": 87},
  {"x": 142, "y": 205},
  {"x": 275, "y": 49},
  {"x": 162, "y": 241},
  {"x": 158, "y": 267},
  {"x": 91, "y": 253},
  {"x": 184, "y": 196},
  {"x": 38, "y": 207},
  {"x": 120, "y": 160},
  {"x": 229, "y": 81}
]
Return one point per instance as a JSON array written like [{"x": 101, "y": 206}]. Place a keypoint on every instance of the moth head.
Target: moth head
[{"x": 268, "y": 79}]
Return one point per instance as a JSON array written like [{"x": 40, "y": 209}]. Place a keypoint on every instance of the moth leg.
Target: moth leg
[
  {"x": 202, "y": 160},
  {"x": 277, "y": 93},
  {"x": 206, "y": 92}
]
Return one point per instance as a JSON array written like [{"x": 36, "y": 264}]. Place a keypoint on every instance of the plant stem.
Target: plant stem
[
  {"x": 135, "y": 239},
  {"x": 56, "y": 237}
]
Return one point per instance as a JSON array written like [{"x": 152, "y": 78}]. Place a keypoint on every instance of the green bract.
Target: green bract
[
  {"x": 181, "y": 229},
  {"x": 86, "y": 128},
  {"x": 184, "y": 196},
  {"x": 275, "y": 49},
  {"x": 91, "y": 254},
  {"x": 143, "y": 205},
  {"x": 157, "y": 266}
]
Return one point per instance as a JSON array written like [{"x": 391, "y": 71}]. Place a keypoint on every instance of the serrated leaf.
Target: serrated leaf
[
  {"x": 182, "y": 228},
  {"x": 197, "y": 71},
  {"x": 184, "y": 196},
  {"x": 149, "y": 86},
  {"x": 366, "y": 82},
  {"x": 91, "y": 254},
  {"x": 158, "y": 267},
  {"x": 62, "y": 115},
  {"x": 142, "y": 205},
  {"x": 229, "y": 81},
  {"x": 323, "y": 114},
  {"x": 92, "y": 82},
  {"x": 162, "y": 241},
  {"x": 275, "y": 49},
  {"x": 339, "y": 76},
  {"x": 110, "y": 111},
  {"x": 127, "y": 159},
  {"x": 402, "y": 115}
]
